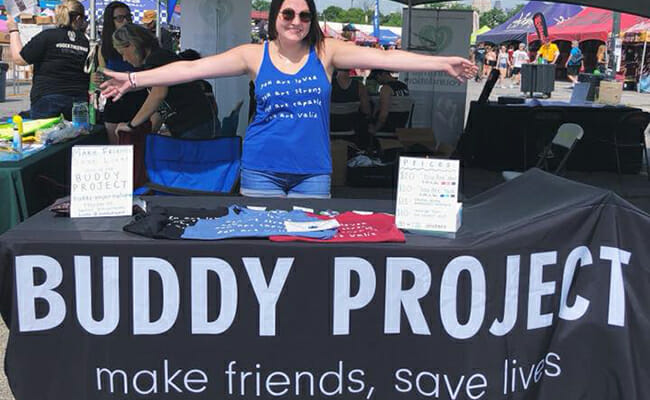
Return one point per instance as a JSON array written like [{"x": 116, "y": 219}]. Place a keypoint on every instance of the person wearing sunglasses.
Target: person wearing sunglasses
[
  {"x": 286, "y": 148},
  {"x": 116, "y": 15},
  {"x": 58, "y": 56}
]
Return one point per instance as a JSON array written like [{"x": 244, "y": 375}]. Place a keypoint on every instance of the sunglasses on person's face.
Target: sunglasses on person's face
[
  {"x": 288, "y": 14},
  {"x": 122, "y": 17}
]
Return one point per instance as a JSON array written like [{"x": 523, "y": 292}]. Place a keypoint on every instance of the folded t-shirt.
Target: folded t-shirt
[
  {"x": 355, "y": 227},
  {"x": 170, "y": 222},
  {"x": 242, "y": 222}
]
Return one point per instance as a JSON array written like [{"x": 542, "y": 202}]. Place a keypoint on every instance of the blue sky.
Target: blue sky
[{"x": 386, "y": 5}]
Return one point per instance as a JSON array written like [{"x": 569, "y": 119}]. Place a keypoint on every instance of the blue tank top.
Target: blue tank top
[{"x": 290, "y": 131}]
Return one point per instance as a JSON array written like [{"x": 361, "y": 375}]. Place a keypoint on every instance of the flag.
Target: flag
[
  {"x": 171, "y": 4},
  {"x": 375, "y": 20}
]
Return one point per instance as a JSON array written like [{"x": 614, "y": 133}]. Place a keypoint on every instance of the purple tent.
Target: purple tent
[{"x": 520, "y": 24}]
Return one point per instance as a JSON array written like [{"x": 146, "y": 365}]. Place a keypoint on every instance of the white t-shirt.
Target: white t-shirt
[{"x": 519, "y": 57}]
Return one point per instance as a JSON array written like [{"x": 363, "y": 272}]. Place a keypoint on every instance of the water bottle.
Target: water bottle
[
  {"x": 17, "y": 139},
  {"x": 80, "y": 115}
]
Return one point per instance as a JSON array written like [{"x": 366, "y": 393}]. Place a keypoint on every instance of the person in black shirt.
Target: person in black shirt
[
  {"x": 184, "y": 108},
  {"x": 58, "y": 56},
  {"x": 390, "y": 87}
]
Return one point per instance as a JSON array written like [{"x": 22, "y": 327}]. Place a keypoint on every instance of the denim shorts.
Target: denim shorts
[{"x": 275, "y": 184}]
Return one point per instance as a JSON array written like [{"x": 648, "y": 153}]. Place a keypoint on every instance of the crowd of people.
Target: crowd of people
[{"x": 509, "y": 58}]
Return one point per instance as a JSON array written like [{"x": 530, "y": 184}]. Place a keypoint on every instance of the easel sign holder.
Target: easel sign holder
[
  {"x": 101, "y": 182},
  {"x": 427, "y": 196}
]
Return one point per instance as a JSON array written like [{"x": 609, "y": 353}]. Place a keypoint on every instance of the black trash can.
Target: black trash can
[
  {"x": 594, "y": 83},
  {"x": 4, "y": 67}
]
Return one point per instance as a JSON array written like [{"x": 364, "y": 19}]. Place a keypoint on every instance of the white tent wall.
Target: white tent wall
[{"x": 214, "y": 26}]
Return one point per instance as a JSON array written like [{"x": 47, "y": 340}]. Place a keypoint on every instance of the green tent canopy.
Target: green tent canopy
[{"x": 480, "y": 31}]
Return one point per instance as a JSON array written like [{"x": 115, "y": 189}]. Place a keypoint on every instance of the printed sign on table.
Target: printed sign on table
[
  {"x": 427, "y": 195},
  {"x": 101, "y": 181}
]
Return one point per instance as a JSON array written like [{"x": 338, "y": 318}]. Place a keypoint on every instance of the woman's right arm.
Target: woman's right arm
[
  {"x": 15, "y": 43},
  {"x": 234, "y": 62}
]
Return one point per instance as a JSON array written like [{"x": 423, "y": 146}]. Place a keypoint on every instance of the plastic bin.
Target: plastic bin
[{"x": 4, "y": 67}]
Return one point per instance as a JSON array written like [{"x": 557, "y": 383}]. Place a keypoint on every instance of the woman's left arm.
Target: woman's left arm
[{"x": 346, "y": 56}]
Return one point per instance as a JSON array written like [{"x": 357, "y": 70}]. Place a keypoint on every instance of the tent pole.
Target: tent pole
[
  {"x": 642, "y": 64},
  {"x": 410, "y": 13},
  {"x": 93, "y": 25},
  {"x": 158, "y": 29}
]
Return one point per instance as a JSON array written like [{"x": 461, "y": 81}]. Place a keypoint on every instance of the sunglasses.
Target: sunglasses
[
  {"x": 120, "y": 18},
  {"x": 288, "y": 14}
]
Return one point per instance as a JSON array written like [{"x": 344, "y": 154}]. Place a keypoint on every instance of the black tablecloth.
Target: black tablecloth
[
  {"x": 351, "y": 321},
  {"x": 494, "y": 135}
]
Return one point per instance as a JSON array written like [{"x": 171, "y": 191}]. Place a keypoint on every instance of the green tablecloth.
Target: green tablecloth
[{"x": 27, "y": 186}]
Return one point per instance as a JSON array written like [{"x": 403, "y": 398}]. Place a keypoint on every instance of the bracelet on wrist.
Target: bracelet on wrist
[
  {"x": 130, "y": 125},
  {"x": 13, "y": 30},
  {"x": 132, "y": 80}
]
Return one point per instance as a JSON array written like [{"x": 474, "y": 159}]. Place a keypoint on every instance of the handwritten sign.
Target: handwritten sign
[
  {"x": 427, "y": 195},
  {"x": 101, "y": 181}
]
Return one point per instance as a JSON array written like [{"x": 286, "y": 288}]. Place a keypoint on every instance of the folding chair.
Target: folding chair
[
  {"x": 343, "y": 117},
  {"x": 192, "y": 167},
  {"x": 400, "y": 113},
  {"x": 564, "y": 141},
  {"x": 542, "y": 122},
  {"x": 635, "y": 122}
]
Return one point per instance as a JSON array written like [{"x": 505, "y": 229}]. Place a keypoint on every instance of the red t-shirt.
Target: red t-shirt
[{"x": 355, "y": 227}]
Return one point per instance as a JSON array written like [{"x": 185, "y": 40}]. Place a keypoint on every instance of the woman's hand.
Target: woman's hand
[
  {"x": 11, "y": 24},
  {"x": 117, "y": 86},
  {"x": 122, "y": 127},
  {"x": 97, "y": 78},
  {"x": 460, "y": 68}
]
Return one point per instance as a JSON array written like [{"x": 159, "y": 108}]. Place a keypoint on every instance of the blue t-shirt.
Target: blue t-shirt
[
  {"x": 575, "y": 56},
  {"x": 290, "y": 131},
  {"x": 242, "y": 222}
]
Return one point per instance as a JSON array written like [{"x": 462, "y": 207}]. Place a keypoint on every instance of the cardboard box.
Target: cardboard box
[
  {"x": 610, "y": 92},
  {"x": 44, "y": 20},
  {"x": 339, "y": 150},
  {"x": 27, "y": 19},
  {"x": 417, "y": 137},
  {"x": 4, "y": 37}
]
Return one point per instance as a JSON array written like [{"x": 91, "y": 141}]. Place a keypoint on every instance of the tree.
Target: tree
[
  {"x": 514, "y": 10},
  {"x": 392, "y": 19},
  {"x": 492, "y": 18},
  {"x": 450, "y": 5},
  {"x": 358, "y": 16},
  {"x": 261, "y": 5},
  {"x": 333, "y": 14}
]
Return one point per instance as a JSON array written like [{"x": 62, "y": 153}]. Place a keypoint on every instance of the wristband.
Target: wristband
[
  {"x": 13, "y": 30},
  {"x": 132, "y": 81},
  {"x": 130, "y": 125}
]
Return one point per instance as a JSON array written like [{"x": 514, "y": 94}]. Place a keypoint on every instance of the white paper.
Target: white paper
[
  {"x": 427, "y": 195},
  {"x": 101, "y": 181},
  {"x": 17, "y": 7}
]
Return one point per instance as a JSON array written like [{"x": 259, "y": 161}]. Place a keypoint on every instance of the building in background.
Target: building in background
[{"x": 482, "y": 5}]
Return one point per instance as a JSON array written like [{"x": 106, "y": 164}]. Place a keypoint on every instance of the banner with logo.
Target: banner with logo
[
  {"x": 543, "y": 295},
  {"x": 439, "y": 99},
  {"x": 539, "y": 21}
]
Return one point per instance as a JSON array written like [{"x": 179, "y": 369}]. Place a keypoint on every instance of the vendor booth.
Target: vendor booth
[
  {"x": 636, "y": 39},
  {"x": 517, "y": 306},
  {"x": 517, "y": 28},
  {"x": 589, "y": 24}
]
